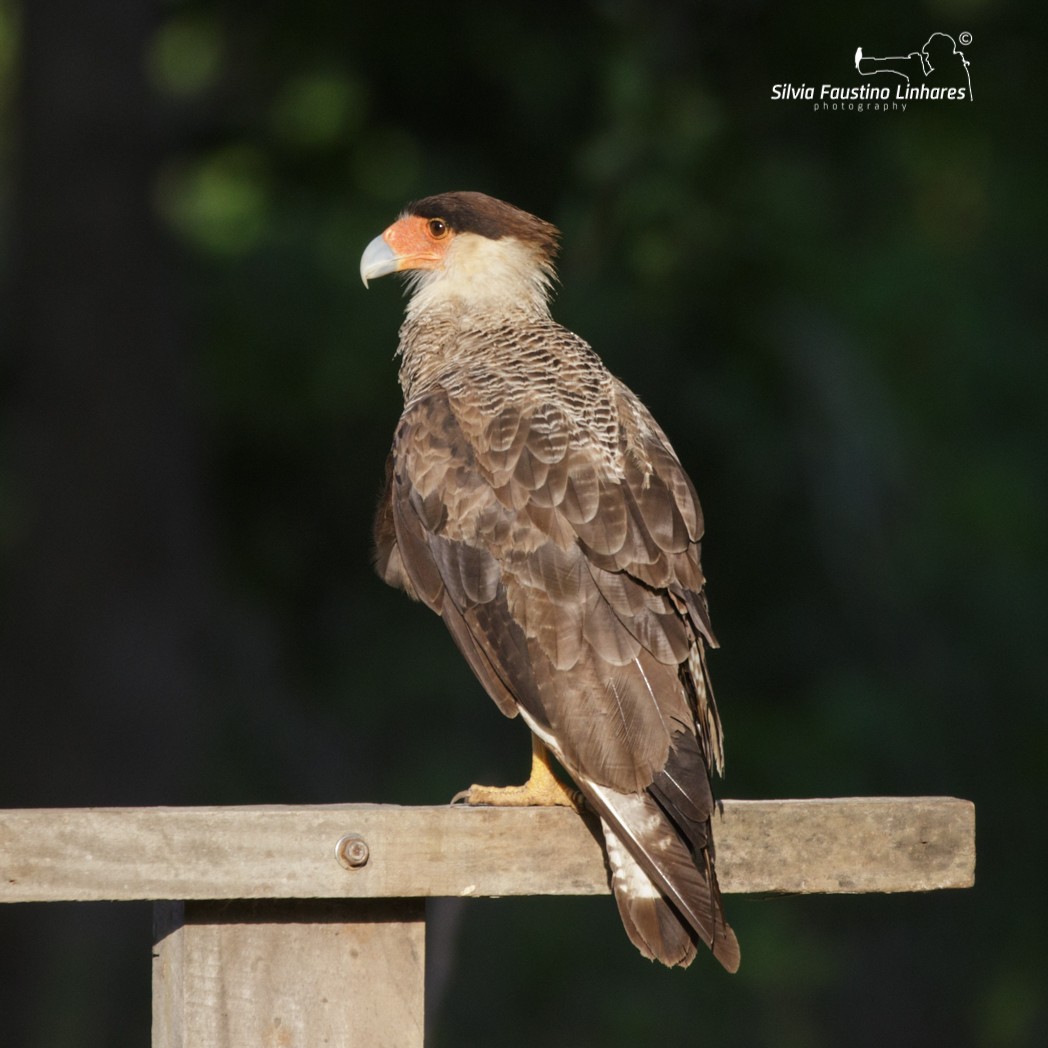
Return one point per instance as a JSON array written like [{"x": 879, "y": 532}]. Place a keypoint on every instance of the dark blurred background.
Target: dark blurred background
[{"x": 838, "y": 318}]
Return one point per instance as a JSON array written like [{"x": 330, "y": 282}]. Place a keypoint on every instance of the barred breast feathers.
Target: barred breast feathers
[{"x": 487, "y": 365}]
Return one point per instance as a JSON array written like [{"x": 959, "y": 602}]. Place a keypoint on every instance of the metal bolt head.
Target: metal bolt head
[{"x": 352, "y": 851}]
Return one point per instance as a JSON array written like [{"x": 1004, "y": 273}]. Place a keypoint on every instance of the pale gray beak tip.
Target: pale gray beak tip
[{"x": 377, "y": 261}]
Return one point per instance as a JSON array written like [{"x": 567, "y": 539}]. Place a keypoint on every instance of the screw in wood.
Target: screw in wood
[{"x": 352, "y": 851}]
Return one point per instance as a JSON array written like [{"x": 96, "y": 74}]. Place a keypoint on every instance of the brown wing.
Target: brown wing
[{"x": 577, "y": 599}]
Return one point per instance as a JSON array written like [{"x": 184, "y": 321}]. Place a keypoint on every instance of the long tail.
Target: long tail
[{"x": 663, "y": 877}]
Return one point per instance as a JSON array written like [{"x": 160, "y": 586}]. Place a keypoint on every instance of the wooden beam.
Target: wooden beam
[{"x": 879, "y": 844}]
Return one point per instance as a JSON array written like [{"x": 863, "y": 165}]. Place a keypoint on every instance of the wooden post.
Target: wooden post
[
  {"x": 296, "y": 927},
  {"x": 346, "y": 973}
]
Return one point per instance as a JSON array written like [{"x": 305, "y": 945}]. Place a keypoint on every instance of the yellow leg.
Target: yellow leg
[{"x": 542, "y": 788}]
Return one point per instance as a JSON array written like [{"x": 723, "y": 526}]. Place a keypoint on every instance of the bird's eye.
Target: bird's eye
[{"x": 438, "y": 228}]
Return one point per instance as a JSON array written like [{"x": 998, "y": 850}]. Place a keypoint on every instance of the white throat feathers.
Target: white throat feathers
[{"x": 482, "y": 275}]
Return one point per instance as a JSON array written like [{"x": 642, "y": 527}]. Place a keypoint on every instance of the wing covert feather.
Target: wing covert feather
[{"x": 582, "y": 576}]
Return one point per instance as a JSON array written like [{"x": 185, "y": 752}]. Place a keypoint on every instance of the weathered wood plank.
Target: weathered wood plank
[
  {"x": 347, "y": 972},
  {"x": 861, "y": 844},
  {"x": 878, "y": 844}
]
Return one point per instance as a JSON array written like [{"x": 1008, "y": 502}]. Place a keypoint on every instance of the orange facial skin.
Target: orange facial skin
[{"x": 418, "y": 243}]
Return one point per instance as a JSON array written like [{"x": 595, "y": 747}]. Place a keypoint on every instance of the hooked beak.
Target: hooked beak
[{"x": 378, "y": 260}]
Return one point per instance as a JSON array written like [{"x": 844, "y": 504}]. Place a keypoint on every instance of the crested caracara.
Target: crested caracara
[{"x": 536, "y": 506}]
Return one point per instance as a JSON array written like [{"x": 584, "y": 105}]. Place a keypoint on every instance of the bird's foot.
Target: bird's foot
[
  {"x": 526, "y": 796},
  {"x": 543, "y": 788}
]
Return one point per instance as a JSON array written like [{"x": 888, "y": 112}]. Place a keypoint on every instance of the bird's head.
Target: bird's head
[{"x": 467, "y": 247}]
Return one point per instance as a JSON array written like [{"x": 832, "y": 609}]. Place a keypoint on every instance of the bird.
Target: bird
[{"x": 532, "y": 501}]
